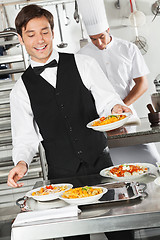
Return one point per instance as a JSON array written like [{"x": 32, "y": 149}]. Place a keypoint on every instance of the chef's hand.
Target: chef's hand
[
  {"x": 120, "y": 109},
  {"x": 16, "y": 174}
]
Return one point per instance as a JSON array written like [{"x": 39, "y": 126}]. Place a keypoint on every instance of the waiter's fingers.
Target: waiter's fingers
[
  {"x": 118, "y": 109},
  {"x": 13, "y": 177},
  {"x": 126, "y": 109}
]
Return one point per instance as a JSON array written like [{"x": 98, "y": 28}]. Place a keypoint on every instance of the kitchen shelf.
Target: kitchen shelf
[
  {"x": 15, "y": 63},
  {"x": 11, "y": 58},
  {"x": 6, "y": 85},
  {"x": 11, "y": 71},
  {"x": 10, "y": 39}
]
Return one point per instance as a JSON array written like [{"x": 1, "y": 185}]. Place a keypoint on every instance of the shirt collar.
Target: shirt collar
[{"x": 54, "y": 55}]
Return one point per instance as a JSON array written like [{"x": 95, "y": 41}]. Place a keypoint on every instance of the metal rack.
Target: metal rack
[{"x": 9, "y": 39}]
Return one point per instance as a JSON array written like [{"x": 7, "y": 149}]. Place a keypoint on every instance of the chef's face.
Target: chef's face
[
  {"x": 101, "y": 40},
  {"x": 37, "y": 38}
]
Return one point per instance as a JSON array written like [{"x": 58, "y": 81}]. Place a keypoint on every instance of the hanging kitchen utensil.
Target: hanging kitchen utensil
[
  {"x": 137, "y": 18},
  {"x": 83, "y": 41},
  {"x": 117, "y": 4},
  {"x": 62, "y": 44},
  {"x": 141, "y": 43},
  {"x": 8, "y": 31},
  {"x": 157, "y": 83},
  {"x": 66, "y": 18},
  {"x": 76, "y": 14},
  {"x": 156, "y": 9}
]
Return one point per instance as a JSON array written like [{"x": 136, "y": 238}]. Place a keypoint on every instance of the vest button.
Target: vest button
[
  {"x": 79, "y": 152},
  {"x": 62, "y": 106},
  {"x": 57, "y": 94},
  {"x": 70, "y": 129}
]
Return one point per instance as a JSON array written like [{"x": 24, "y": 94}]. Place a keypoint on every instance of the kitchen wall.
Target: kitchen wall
[{"x": 119, "y": 27}]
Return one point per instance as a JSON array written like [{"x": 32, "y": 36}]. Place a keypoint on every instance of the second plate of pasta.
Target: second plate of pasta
[{"x": 83, "y": 195}]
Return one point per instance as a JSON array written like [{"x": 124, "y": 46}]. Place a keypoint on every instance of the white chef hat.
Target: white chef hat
[{"x": 93, "y": 15}]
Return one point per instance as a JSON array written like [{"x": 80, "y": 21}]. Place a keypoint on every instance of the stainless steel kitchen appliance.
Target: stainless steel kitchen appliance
[{"x": 155, "y": 97}]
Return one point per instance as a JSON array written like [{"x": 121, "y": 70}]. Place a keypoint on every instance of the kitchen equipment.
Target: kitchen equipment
[
  {"x": 9, "y": 32},
  {"x": 62, "y": 44},
  {"x": 150, "y": 108},
  {"x": 156, "y": 9},
  {"x": 141, "y": 43},
  {"x": 157, "y": 83},
  {"x": 76, "y": 14},
  {"x": 118, "y": 192},
  {"x": 154, "y": 118},
  {"x": 83, "y": 41},
  {"x": 155, "y": 97},
  {"x": 137, "y": 18},
  {"x": 117, "y": 4},
  {"x": 66, "y": 18}
]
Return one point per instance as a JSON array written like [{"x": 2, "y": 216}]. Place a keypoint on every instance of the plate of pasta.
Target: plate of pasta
[
  {"x": 109, "y": 122},
  {"x": 83, "y": 195},
  {"x": 48, "y": 192},
  {"x": 127, "y": 171}
]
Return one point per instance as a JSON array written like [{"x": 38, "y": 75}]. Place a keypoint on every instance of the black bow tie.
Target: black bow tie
[{"x": 40, "y": 69}]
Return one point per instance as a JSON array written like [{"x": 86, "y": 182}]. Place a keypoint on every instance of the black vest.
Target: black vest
[{"x": 62, "y": 114}]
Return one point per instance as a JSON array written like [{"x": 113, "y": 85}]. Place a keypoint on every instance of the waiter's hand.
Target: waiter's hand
[
  {"x": 16, "y": 174},
  {"x": 120, "y": 109}
]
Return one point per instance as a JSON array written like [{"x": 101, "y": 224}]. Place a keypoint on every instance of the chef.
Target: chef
[
  {"x": 124, "y": 66},
  {"x": 52, "y": 103}
]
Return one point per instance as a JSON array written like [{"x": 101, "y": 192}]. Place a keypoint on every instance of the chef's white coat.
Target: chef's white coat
[
  {"x": 25, "y": 132},
  {"x": 121, "y": 62}
]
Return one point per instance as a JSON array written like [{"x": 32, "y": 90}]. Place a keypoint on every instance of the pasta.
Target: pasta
[
  {"x": 108, "y": 119},
  {"x": 81, "y": 192},
  {"x": 49, "y": 190},
  {"x": 126, "y": 170}
]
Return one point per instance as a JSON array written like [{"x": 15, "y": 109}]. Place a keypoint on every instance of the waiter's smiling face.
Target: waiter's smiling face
[
  {"x": 37, "y": 37},
  {"x": 101, "y": 40}
]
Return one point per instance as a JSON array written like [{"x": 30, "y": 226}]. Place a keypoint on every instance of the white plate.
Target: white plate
[
  {"x": 110, "y": 126},
  {"x": 86, "y": 200},
  {"x": 158, "y": 166},
  {"x": 50, "y": 196},
  {"x": 157, "y": 181},
  {"x": 103, "y": 172}
]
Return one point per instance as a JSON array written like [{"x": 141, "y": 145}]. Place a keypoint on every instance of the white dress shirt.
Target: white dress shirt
[{"x": 25, "y": 132}]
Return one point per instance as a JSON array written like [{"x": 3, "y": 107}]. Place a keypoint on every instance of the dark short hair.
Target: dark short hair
[{"x": 29, "y": 12}]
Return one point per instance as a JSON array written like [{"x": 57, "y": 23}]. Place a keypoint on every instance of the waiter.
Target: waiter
[
  {"x": 124, "y": 66},
  {"x": 53, "y": 101}
]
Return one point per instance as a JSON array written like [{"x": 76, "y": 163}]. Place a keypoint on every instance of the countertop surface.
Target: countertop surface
[{"x": 133, "y": 134}]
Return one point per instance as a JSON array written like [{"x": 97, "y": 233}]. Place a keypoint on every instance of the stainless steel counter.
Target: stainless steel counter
[
  {"x": 136, "y": 214},
  {"x": 134, "y": 134}
]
